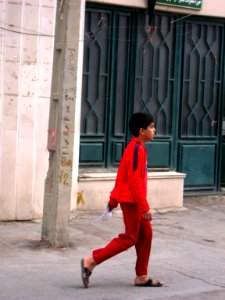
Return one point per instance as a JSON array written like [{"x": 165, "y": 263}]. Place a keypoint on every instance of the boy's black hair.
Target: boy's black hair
[{"x": 138, "y": 121}]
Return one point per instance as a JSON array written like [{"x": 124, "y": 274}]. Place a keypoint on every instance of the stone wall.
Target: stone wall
[{"x": 26, "y": 51}]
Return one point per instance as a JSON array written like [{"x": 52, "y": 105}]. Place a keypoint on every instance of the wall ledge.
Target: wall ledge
[
  {"x": 104, "y": 176},
  {"x": 165, "y": 189}
]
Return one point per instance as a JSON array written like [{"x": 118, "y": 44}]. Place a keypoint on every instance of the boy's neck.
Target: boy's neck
[{"x": 140, "y": 139}]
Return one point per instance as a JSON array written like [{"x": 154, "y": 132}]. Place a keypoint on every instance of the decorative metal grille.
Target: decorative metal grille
[
  {"x": 202, "y": 80},
  {"x": 155, "y": 71},
  {"x": 95, "y": 73}
]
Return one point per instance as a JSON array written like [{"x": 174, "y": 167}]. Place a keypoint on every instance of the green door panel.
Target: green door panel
[
  {"x": 118, "y": 148},
  {"x": 155, "y": 85},
  {"x": 92, "y": 152},
  {"x": 105, "y": 90},
  {"x": 95, "y": 89},
  {"x": 120, "y": 85},
  {"x": 198, "y": 162},
  {"x": 159, "y": 154},
  {"x": 201, "y": 90}
]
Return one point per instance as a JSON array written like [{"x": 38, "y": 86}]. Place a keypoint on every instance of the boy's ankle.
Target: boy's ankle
[
  {"x": 141, "y": 279},
  {"x": 89, "y": 263}
]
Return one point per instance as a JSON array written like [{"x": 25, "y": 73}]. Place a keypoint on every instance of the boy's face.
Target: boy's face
[{"x": 147, "y": 135}]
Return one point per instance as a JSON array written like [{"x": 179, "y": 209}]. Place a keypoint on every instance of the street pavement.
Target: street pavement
[{"x": 188, "y": 255}]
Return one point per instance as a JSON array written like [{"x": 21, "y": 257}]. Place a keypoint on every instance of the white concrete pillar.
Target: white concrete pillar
[{"x": 64, "y": 122}]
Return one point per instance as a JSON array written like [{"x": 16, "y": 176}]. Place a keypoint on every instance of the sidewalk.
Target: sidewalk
[{"x": 188, "y": 254}]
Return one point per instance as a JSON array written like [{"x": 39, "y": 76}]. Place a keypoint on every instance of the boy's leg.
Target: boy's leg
[
  {"x": 132, "y": 220},
  {"x": 143, "y": 248}
]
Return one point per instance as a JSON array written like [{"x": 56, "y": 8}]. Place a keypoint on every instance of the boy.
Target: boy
[{"x": 130, "y": 192}]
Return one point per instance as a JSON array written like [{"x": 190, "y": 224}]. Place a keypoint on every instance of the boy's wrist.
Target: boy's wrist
[
  {"x": 147, "y": 215},
  {"x": 110, "y": 208}
]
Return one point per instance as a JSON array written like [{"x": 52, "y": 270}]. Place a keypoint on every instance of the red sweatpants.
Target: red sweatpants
[{"x": 138, "y": 233}]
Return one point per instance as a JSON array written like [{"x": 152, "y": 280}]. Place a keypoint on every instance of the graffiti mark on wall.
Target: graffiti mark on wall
[
  {"x": 66, "y": 162},
  {"x": 64, "y": 178},
  {"x": 80, "y": 198},
  {"x": 53, "y": 137},
  {"x": 71, "y": 55}
]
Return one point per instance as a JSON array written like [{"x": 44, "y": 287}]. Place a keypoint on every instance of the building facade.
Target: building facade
[{"x": 175, "y": 71}]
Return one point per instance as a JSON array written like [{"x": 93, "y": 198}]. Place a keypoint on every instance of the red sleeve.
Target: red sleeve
[
  {"x": 112, "y": 203},
  {"x": 137, "y": 180}
]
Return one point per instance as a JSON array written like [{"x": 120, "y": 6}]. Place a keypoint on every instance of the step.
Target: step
[{"x": 165, "y": 189}]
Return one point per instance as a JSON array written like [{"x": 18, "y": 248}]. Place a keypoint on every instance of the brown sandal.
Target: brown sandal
[
  {"x": 150, "y": 283},
  {"x": 85, "y": 274}
]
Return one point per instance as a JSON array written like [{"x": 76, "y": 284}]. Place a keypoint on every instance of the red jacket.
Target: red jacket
[{"x": 131, "y": 180}]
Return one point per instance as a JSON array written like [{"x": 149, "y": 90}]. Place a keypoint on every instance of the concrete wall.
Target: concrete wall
[{"x": 26, "y": 48}]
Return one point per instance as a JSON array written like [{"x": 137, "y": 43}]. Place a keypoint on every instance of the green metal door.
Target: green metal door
[
  {"x": 222, "y": 180},
  {"x": 106, "y": 80},
  {"x": 155, "y": 85},
  {"x": 175, "y": 73},
  {"x": 96, "y": 80},
  {"x": 200, "y": 112}
]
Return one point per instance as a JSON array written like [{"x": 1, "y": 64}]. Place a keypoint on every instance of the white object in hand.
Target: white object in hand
[{"x": 104, "y": 216}]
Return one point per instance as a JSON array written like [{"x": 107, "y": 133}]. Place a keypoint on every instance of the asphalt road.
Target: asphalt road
[{"x": 188, "y": 255}]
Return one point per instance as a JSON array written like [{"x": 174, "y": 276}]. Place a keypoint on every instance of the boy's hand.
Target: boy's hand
[
  {"x": 147, "y": 215},
  {"x": 112, "y": 204},
  {"x": 110, "y": 208}
]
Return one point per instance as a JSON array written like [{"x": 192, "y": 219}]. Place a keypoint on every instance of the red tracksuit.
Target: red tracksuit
[{"x": 130, "y": 191}]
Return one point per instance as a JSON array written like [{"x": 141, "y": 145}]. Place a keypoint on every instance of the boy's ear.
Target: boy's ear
[{"x": 141, "y": 131}]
